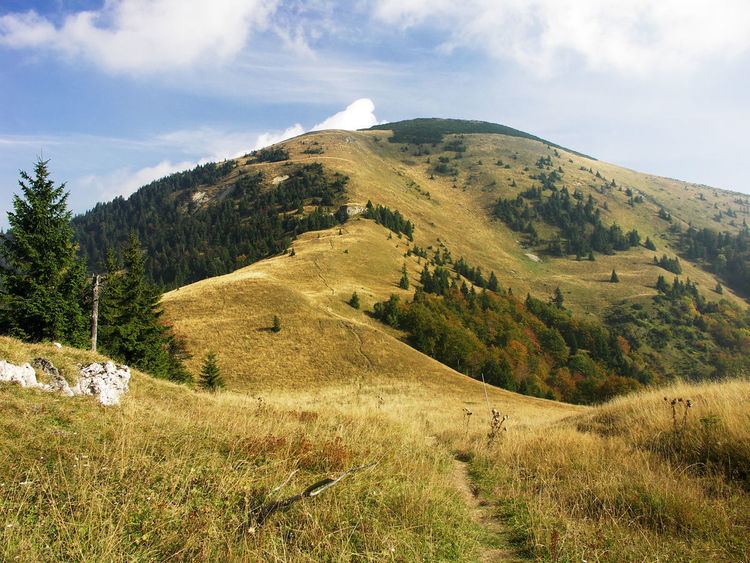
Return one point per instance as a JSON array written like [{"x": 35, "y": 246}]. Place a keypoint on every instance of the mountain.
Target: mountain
[{"x": 494, "y": 201}]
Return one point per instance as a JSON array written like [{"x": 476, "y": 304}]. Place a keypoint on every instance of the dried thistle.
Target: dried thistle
[
  {"x": 467, "y": 420},
  {"x": 497, "y": 425}
]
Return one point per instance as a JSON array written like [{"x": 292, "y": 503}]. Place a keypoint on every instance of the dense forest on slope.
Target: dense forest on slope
[
  {"x": 497, "y": 337},
  {"x": 580, "y": 223},
  {"x": 189, "y": 236},
  {"x": 431, "y": 130},
  {"x": 724, "y": 254},
  {"x": 540, "y": 348}
]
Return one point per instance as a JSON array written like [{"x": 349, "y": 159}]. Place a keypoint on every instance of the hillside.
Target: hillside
[
  {"x": 453, "y": 216},
  {"x": 175, "y": 473}
]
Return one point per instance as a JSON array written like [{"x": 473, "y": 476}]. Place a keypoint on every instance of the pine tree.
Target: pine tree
[
  {"x": 614, "y": 278},
  {"x": 649, "y": 244},
  {"x": 354, "y": 301},
  {"x": 42, "y": 278},
  {"x": 130, "y": 318},
  {"x": 276, "y": 325},
  {"x": 558, "y": 300},
  {"x": 210, "y": 376},
  {"x": 493, "y": 284},
  {"x": 404, "y": 281}
]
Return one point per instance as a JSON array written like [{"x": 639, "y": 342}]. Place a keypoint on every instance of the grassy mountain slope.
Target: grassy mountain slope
[
  {"x": 174, "y": 473},
  {"x": 324, "y": 341}
]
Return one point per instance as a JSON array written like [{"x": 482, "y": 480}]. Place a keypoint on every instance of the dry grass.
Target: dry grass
[
  {"x": 619, "y": 484},
  {"x": 173, "y": 473}
]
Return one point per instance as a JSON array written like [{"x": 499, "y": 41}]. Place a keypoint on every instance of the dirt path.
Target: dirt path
[{"x": 481, "y": 513}]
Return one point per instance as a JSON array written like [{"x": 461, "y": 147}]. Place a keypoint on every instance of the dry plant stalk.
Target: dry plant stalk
[
  {"x": 674, "y": 403},
  {"x": 497, "y": 425}
]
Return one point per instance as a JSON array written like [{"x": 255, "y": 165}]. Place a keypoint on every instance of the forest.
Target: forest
[
  {"x": 186, "y": 240},
  {"x": 724, "y": 254},
  {"x": 580, "y": 223}
]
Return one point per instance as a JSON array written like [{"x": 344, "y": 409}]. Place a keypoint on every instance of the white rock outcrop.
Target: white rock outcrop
[
  {"x": 108, "y": 382},
  {"x": 24, "y": 375}
]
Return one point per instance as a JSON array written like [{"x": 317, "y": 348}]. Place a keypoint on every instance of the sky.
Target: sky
[{"x": 117, "y": 93}]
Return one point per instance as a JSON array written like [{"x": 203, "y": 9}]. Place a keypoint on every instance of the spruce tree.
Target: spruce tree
[
  {"x": 210, "y": 377},
  {"x": 276, "y": 324},
  {"x": 41, "y": 276},
  {"x": 493, "y": 284},
  {"x": 614, "y": 278},
  {"x": 354, "y": 301},
  {"x": 404, "y": 281},
  {"x": 130, "y": 318},
  {"x": 558, "y": 300}
]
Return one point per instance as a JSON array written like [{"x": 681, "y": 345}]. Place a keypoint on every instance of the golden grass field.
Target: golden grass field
[{"x": 174, "y": 473}]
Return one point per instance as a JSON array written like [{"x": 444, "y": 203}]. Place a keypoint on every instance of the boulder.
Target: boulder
[
  {"x": 24, "y": 374},
  {"x": 106, "y": 381}
]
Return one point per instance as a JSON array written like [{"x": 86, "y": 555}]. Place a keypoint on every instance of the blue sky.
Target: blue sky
[{"x": 121, "y": 92}]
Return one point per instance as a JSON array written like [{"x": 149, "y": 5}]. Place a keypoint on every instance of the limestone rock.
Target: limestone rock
[
  {"x": 24, "y": 374},
  {"x": 107, "y": 381}
]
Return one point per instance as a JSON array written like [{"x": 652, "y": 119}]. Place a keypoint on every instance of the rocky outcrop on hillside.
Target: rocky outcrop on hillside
[{"x": 107, "y": 381}]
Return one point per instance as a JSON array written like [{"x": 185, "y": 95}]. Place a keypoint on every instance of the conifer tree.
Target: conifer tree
[
  {"x": 276, "y": 324},
  {"x": 404, "y": 281},
  {"x": 130, "y": 318},
  {"x": 614, "y": 278},
  {"x": 210, "y": 376},
  {"x": 558, "y": 300},
  {"x": 493, "y": 284},
  {"x": 354, "y": 300},
  {"x": 42, "y": 278}
]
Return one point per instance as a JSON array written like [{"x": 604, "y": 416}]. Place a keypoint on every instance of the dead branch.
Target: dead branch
[{"x": 310, "y": 492}]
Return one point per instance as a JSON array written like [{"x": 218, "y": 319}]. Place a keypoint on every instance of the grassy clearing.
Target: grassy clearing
[
  {"x": 620, "y": 484},
  {"x": 174, "y": 473},
  {"x": 178, "y": 473}
]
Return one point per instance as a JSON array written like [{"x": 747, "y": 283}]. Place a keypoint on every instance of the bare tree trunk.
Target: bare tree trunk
[{"x": 95, "y": 312}]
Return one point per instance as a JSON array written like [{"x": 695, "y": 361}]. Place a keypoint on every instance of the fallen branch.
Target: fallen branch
[{"x": 310, "y": 492}]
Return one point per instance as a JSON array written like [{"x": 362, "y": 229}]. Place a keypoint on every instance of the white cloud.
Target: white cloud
[
  {"x": 125, "y": 181},
  {"x": 632, "y": 36},
  {"x": 357, "y": 115},
  {"x": 144, "y": 35},
  {"x": 271, "y": 138}
]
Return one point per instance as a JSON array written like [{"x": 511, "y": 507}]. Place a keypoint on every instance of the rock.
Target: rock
[
  {"x": 24, "y": 374},
  {"x": 107, "y": 381},
  {"x": 57, "y": 381},
  {"x": 57, "y": 345}
]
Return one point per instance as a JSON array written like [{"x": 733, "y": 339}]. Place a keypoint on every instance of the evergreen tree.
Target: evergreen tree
[
  {"x": 661, "y": 285},
  {"x": 210, "y": 377},
  {"x": 614, "y": 278},
  {"x": 41, "y": 276},
  {"x": 130, "y": 318},
  {"x": 558, "y": 300},
  {"x": 649, "y": 244},
  {"x": 719, "y": 289},
  {"x": 493, "y": 284},
  {"x": 404, "y": 281},
  {"x": 276, "y": 326},
  {"x": 354, "y": 301}
]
